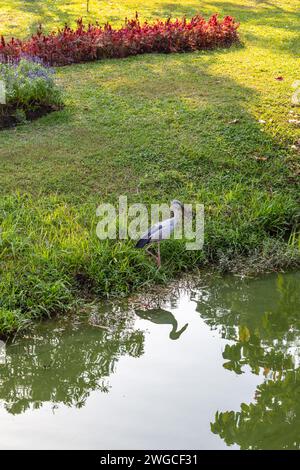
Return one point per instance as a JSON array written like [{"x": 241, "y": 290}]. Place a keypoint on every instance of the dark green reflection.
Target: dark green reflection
[
  {"x": 160, "y": 316},
  {"x": 262, "y": 318},
  {"x": 63, "y": 362},
  {"x": 272, "y": 422}
]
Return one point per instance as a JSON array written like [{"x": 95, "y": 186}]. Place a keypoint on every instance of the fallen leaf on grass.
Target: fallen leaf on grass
[
  {"x": 296, "y": 146},
  {"x": 261, "y": 159},
  {"x": 279, "y": 78}
]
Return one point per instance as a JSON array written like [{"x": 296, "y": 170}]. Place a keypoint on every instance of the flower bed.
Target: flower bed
[
  {"x": 94, "y": 42},
  {"x": 30, "y": 91}
]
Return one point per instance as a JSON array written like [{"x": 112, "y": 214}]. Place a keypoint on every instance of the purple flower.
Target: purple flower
[{"x": 39, "y": 73}]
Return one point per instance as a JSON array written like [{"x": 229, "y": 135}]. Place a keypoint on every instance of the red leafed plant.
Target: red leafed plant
[{"x": 67, "y": 46}]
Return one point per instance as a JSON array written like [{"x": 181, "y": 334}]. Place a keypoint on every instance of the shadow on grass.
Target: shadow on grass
[
  {"x": 196, "y": 123},
  {"x": 277, "y": 18},
  {"x": 256, "y": 14},
  {"x": 204, "y": 119},
  {"x": 176, "y": 10},
  {"x": 45, "y": 10},
  {"x": 289, "y": 46}
]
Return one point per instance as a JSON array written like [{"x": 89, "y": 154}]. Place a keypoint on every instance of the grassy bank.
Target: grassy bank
[{"x": 153, "y": 127}]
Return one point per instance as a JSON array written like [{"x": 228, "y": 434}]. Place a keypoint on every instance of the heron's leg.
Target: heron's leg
[
  {"x": 158, "y": 255},
  {"x": 149, "y": 252},
  {"x": 156, "y": 258}
]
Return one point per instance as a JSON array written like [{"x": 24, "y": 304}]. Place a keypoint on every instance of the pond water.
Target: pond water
[{"x": 207, "y": 367}]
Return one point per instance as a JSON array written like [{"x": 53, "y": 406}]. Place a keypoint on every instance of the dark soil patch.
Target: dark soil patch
[
  {"x": 84, "y": 284},
  {"x": 11, "y": 117}
]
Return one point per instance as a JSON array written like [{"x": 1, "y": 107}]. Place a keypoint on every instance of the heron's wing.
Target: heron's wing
[
  {"x": 151, "y": 231},
  {"x": 147, "y": 236},
  {"x": 163, "y": 230},
  {"x": 159, "y": 231}
]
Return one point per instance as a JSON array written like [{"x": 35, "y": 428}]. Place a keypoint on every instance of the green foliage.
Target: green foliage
[{"x": 28, "y": 86}]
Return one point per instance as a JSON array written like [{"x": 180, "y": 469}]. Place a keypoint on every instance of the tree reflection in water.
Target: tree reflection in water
[
  {"x": 63, "y": 362},
  {"x": 262, "y": 318}
]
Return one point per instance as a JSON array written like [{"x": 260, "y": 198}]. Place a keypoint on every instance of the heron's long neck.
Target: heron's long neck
[
  {"x": 174, "y": 327},
  {"x": 177, "y": 214}
]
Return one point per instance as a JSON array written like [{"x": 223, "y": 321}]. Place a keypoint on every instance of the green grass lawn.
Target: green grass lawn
[{"x": 152, "y": 127}]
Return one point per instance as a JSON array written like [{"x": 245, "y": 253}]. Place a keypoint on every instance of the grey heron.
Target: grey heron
[{"x": 161, "y": 230}]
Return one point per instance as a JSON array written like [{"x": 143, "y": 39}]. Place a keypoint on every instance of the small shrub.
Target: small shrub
[
  {"x": 95, "y": 42},
  {"x": 30, "y": 91}
]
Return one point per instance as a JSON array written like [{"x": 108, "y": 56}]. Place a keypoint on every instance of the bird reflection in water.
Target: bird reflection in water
[{"x": 160, "y": 316}]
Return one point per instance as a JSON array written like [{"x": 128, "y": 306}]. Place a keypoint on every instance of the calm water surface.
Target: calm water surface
[{"x": 211, "y": 367}]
